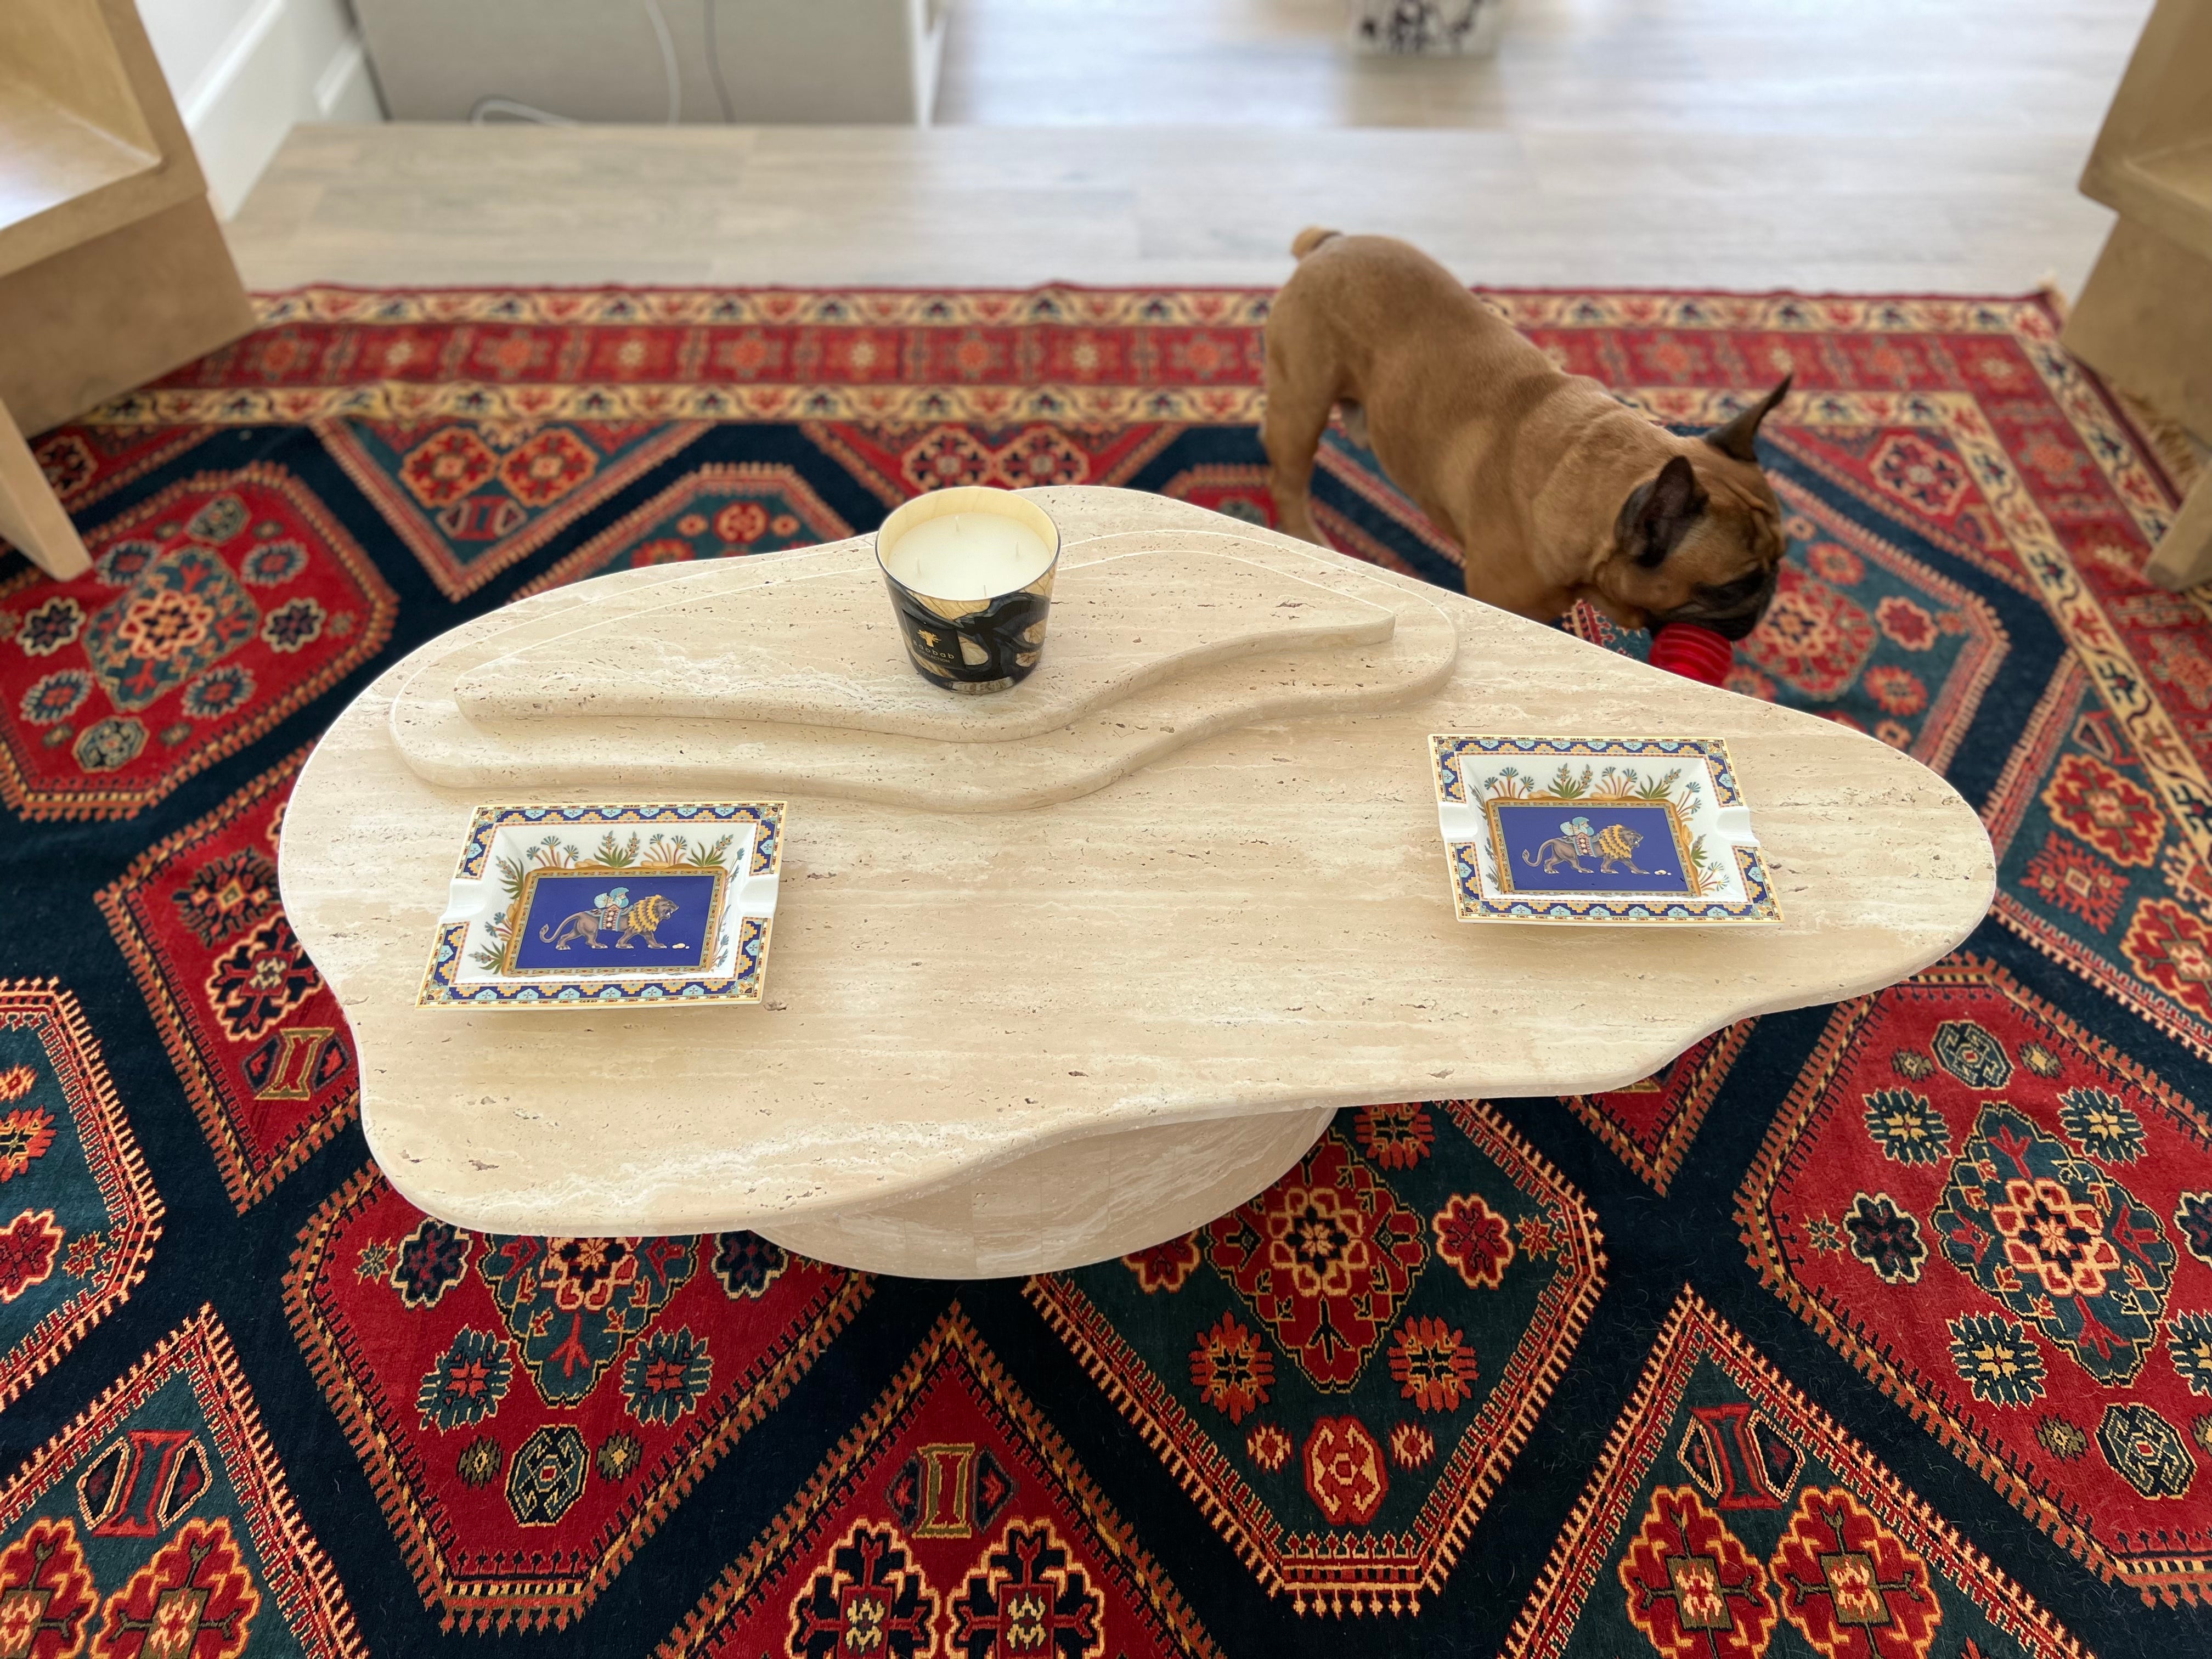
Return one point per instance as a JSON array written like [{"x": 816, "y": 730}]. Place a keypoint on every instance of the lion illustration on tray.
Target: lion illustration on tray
[
  {"x": 1612, "y": 846},
  {"x": 613, "y": 913}
]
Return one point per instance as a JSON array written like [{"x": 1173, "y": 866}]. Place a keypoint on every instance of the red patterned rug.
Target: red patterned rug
[{"x": 1881, "y": 1331}]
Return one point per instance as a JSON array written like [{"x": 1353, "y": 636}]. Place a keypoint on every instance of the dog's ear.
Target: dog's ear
[
  {"x": 1736, "y": 439},
  {"x": 1659, "y": 513}
]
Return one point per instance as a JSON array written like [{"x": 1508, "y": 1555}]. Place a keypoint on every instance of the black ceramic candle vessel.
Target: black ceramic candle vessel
[{"x": 970, "y": 572}]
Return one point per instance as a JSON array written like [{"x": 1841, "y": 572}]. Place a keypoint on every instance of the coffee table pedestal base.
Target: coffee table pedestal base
[{"x": 1067, "y": 1205}]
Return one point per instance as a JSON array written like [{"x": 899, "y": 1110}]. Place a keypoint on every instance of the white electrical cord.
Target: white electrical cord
[
  {"x": 714, "y": 9},
  {"x": 668, "y": 62},
  {"x": 484, "y": 107},
  {"x": 489, "y": 107}
]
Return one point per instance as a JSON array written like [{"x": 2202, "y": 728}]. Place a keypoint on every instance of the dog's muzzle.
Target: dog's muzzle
[{"x": 1731, "y": 611}]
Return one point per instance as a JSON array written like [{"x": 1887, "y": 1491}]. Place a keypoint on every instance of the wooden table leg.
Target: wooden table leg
[
  {"x": 2144, "y": 322},
  {"x": 2184, "y": 557},
  {"x": 31, "y": 516}
]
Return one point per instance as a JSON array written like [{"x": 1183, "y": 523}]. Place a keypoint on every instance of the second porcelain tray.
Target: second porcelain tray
[{"x": 1610, "y": 831}]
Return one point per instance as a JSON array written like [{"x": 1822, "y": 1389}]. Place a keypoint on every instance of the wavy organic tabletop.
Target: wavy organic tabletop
[{"x": 1197, "y": 876}]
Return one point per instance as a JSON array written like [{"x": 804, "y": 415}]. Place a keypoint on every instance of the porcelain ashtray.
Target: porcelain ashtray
[
  {"x": 558, "y": 907},
  {"x": 1608, "y": 830}
]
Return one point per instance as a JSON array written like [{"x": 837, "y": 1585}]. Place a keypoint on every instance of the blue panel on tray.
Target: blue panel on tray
[
  {"x": 625, "y": 921},
  {"x": 1553, "y": 847}
]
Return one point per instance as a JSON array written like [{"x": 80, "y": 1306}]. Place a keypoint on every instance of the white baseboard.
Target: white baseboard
[
  {"x": 346, "y": 91},
  {"x": 287, "y": 61}
]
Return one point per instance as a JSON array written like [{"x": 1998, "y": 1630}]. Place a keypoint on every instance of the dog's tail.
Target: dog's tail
[{"x": 1310, "y": 239}]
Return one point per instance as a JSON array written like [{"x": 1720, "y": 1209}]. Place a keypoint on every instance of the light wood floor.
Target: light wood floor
[{"x": 1822, "y": 144}]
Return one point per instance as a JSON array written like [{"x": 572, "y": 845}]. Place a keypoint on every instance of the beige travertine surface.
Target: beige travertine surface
[
  {"x": 1131, "y": 618},
  {"x": 1143, "y": 662},
  {"x": 1255, "y": 923}
]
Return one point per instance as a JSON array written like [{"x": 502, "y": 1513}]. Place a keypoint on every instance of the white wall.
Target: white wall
[{"x": 243, "y": 71}]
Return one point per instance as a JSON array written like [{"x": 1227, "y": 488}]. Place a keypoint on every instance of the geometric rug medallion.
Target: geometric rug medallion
[
  {"x": 1731, "y": 1517},
  {"x": 78, "y": 1212},
  {"x": 258, "y": 1039},
  {"x": 2099, "y": 871},
  {"x": 158, "y": 1525},
  {"x": 949, "y": 1519},
  {"x": 711, "y": 512},
  {"x": 2009, "y": 1226},
  {"x": 470, "y": 498},
  {"x": 1340, "y": 1371},
  {"x": 528, "y": 1409},
  {"x": 211, "y": 612}
]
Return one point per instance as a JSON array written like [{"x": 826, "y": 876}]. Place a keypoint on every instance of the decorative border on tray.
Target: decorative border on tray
[
  {"x": 441, "y": 988},
  {"x": 1448, "y": 753},
  {"x": 1449, "y": 748},
  {"x": 768, "y": 816},
  {"x": 1473, "y": 905}
]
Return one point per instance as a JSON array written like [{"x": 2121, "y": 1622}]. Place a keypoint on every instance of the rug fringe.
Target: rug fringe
[{"x": 2180, "y": 454}]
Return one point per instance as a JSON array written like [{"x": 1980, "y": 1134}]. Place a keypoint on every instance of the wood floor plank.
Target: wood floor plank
[{"x": 1763, "y": 143}]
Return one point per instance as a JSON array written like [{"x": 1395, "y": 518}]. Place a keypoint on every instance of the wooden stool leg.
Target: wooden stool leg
[
  {"x": 2144, "y": 322},
  {"x": 30, "y": 516},
  {"x": 2184, "y": 557}
]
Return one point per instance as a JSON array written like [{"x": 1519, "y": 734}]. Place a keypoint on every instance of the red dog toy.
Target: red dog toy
[{"x": 1694, "y": 653}]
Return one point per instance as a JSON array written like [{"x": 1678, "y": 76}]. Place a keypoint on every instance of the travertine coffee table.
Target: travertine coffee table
[{"x": 1062, "y": 972}]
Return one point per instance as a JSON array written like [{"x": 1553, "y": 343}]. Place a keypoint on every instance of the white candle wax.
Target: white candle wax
[{"x": 968, "y": 555}]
